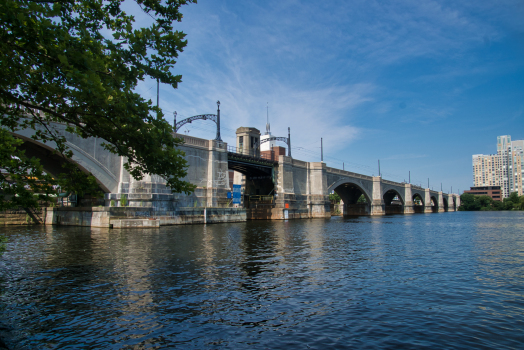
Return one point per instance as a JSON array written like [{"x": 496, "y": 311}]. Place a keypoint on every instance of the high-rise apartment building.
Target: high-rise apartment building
[{"x": 504, "y": 169}]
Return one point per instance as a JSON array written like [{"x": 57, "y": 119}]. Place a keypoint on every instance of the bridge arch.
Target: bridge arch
[
  {"x": 392, "y": 206},
  {"x": 418, "y": 203},
  {"x": 350, "y": 192},
  {"x": 434, "y": 204},
  {"x": 52, "y": 162},
  {"x": 445, "y": 202}
]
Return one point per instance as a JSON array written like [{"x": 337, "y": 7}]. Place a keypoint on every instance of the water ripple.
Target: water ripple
[{"x": 450, "y": 280}]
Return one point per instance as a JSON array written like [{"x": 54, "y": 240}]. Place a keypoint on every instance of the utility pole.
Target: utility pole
[
  {"x": 428, "y": 182},
  {"x": 409, "y": 179},
  {"x": 321, "y": 150},
  {"x": 343, "y": 166}
]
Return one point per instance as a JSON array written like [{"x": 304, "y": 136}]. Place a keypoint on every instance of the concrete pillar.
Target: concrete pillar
[
  {"x": 457, "y": 199},
  {"x": 450, "y": 203},
  {"x": 427, "y": 201},
  {"x": 342, "y": 207},
  {"x": 441, "y": 202},
  {"x": 317, "y": 196},
  {"x": 285, "y": 190},
  {"x": 217, "y": 174},
  {"x": 377, "y": 202},
  {"x": 408, "y": 200}
]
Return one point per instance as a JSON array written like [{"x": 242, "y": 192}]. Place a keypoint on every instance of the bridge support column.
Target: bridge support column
[
  {"x": 450, "y": 203},
  {"x": 427, "y": 201},
  {"x": 441, "y": 202},
  {"x": 377, "y": 203},
  {"x": 457, "y": 200},
  {"x": 217, "y": 174},
  {"x": 408, "y": 198},
  {"x": 285, "y": 199},
  {"x": 317, "y": 196}
]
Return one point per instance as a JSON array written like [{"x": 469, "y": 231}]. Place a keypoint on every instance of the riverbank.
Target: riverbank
[{"x": 121, "y": 217}]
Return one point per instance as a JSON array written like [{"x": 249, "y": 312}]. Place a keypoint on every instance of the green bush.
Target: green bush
[{"x": 123, "y": 200}]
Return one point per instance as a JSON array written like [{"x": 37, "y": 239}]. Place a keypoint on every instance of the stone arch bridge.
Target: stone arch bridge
[{"x": 300, "y": 189}]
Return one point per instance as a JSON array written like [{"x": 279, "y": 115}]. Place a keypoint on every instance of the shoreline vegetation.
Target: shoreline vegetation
[{"x": 471, "y": 202}]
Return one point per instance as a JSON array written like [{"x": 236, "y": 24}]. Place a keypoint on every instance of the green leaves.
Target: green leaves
[{"x": 56, "y": 60}]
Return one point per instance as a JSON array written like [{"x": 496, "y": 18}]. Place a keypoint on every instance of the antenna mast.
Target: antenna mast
[{"x": 267, "y": 119}]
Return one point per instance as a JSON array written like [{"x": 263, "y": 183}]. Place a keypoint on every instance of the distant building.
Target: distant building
[
  {"x": 504, "y": 169},
  {"x": 493, "y": 191}
]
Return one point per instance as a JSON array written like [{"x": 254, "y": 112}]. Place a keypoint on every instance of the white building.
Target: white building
[{"x": 503, "y": 169}]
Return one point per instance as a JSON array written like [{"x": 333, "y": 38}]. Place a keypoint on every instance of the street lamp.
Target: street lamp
[{"x": 218, "y": 138}]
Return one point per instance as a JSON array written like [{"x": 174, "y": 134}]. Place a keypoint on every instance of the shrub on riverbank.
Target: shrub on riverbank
[{"x": 471, "y": 202}]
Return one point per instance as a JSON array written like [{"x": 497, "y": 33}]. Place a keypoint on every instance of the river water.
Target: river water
[{"x": 450, "y": 280}]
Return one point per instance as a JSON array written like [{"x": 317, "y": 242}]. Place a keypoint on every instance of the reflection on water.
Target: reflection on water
[{"x": 452, "y": 280}]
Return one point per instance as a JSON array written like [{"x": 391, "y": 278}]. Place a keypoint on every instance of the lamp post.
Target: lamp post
[
  {"x": 218, "y": 138},
  {"x": 321, "y": 150},
  {"x": 289, "y": 142}
]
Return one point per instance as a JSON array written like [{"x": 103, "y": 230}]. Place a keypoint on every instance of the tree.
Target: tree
[
  {"x": 468, "y": 202},
  {"x": 334, "y": 197},
  {"x": 514, "y": 198},
  {"x": 508, "y": 204},
  {"x": 57, "y": 66}
]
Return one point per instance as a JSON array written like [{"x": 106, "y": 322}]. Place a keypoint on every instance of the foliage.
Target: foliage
[
  {"x": 21, "y": 177},
  {"x": 470, "y": 202},
  {"x": 334, "y": 197},
  {"x": 123, "y": 200},
  {"x": 513, "y": 197},
  {"x": 57, "y": 66},
  {"x": 362, "y": 199}
]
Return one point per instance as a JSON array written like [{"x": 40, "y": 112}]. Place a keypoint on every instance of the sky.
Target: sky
[{"x": 419, "y": 85}]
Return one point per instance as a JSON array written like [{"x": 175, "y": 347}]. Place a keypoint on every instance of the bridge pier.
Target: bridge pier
[
  {"x": 300, "y": 190},
  {"x": 408, "y": 200},
  {"x": 378, "y": 206},
  {"x": 217, "y": 174},
  {"x": 427, "y": 201},
  {"x": 441, "y": 208}
]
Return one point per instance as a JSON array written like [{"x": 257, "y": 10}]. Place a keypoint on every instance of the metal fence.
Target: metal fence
[
  {"x": 270, "y": 155},
  {"x": 257, "y": 201}
]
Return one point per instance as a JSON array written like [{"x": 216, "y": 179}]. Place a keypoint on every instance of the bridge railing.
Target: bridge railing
[
  {"x": 389, "y": 182},
  {"x": 253, "y": 153},
  {"x": 348, "y": 173}
]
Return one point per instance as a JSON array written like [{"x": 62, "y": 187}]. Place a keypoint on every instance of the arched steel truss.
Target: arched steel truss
[
  {"x": 287, "y": 140},
  {"x": 183, "y": 122},
  {"x": 213, "y": 117}
]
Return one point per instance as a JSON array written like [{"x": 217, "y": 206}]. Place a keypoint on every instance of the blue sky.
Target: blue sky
[{"x": 420, "y": 85}]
